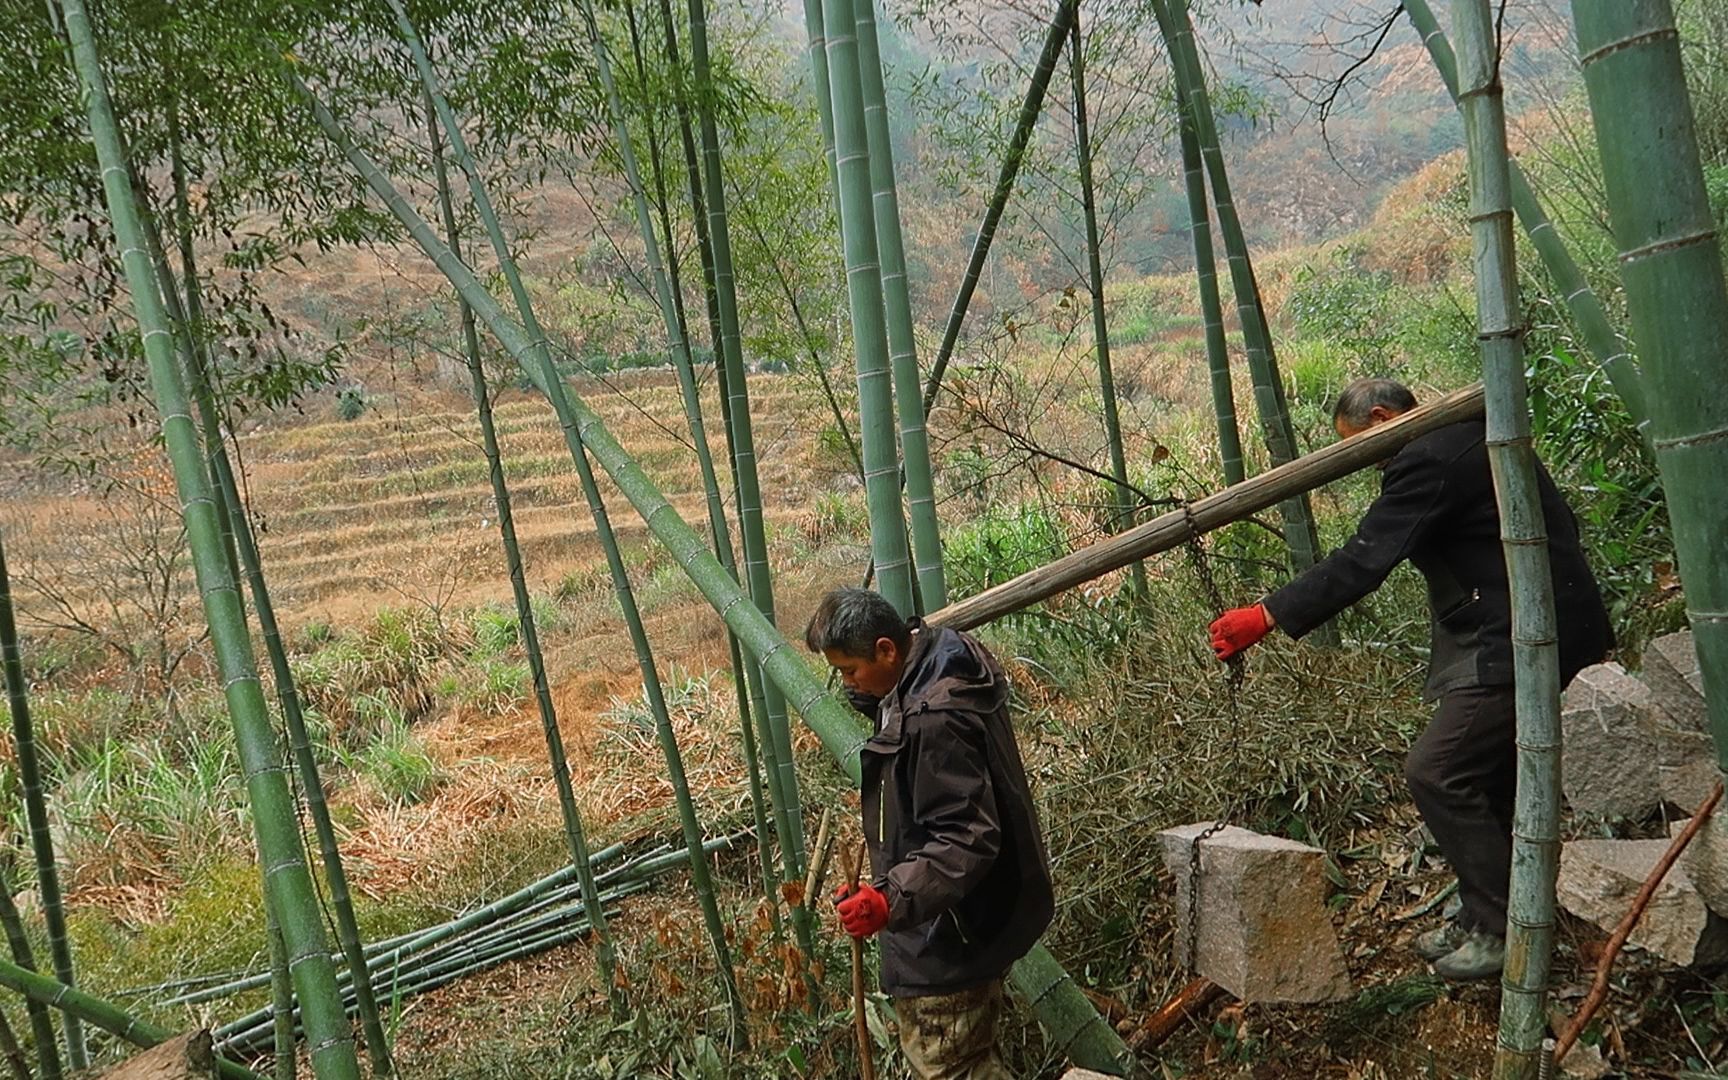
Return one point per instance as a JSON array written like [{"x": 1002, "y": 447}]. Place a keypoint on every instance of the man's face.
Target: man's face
[{"x": 876, "y": 675}]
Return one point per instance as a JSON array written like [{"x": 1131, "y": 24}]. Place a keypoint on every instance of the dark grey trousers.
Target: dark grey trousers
[{"x": 1463, "y": 775}]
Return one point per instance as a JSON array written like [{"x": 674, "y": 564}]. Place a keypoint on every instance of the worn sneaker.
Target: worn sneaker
[
  {"x": 1481, "y": 956},
  {"x": 1454, "y": 907},
  {"x": 1439, "y": 941}
]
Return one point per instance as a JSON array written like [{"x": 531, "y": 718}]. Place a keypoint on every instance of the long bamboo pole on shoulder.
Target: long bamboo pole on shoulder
[{"x": 1211, "y": 512}]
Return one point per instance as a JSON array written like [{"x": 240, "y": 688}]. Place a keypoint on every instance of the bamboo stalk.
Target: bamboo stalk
[
  {"x": 1640, "y": 903},
  {"x": 754, "y": 727},
  {"x": 243, "y": 544},
  {"x": 15, "y": 1059},
  {"x": 1524, "y": 533},
  {"x": 287, "y": 881},
  {"x": 1671, "y": 265},
  {"x": 1211, "y": 512},
  {"x": 1604, "y": 343},
  {"x": 540, "y": 355},
  {"x": 897, "y": 307},
  {"x": 1279, "y": 434},
  {"x": 41, "y": 1023},
  {"x": 1074, "y": 1025},
  {"x": 750, "y": 516},
  {"x": 652, "y": 688},
  {"x": 41, "y": 988},
  {"x": 36, "y": 814},
  {"x": 1230, "y": 458},
  {"x": 285, "y": 1063},
  {"x": 1125, "y": 500},
  {"x": 1054, "y": 38},
  {"x": 858, "y": 233}
]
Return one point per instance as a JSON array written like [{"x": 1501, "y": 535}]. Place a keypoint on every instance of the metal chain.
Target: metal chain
[{"x": 1235, "y": 672}]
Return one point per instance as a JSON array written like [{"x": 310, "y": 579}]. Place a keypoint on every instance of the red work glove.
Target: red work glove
[
  {"x": 863, "y": 909},
  {"x": 1238, "y": 628}
]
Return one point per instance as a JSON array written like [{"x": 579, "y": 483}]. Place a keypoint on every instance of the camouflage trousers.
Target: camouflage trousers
[{"x": 953, "y": 1036}]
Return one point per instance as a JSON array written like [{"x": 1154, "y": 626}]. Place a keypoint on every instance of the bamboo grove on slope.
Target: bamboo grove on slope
[{"x": 1669, "y": 268}]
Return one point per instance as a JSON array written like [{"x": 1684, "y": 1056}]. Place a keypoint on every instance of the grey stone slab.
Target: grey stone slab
[
  {"x": 1676, "y": 685},
  {"x": 1265, "y": 934},
  {"x": 1599, "y": 878},
  {"x": 1609, "y": 756}
]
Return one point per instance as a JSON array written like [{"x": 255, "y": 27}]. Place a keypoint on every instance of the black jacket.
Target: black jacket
[
  {"x": 952, "y": 831},
  {"x": 1436, "y": 508}
]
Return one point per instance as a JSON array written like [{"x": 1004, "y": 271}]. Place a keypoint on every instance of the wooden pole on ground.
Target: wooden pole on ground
[{"x": 1214, "y": 511}]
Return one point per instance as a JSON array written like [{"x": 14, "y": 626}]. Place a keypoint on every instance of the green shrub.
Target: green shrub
[
  {"x": 1001, "y": 544},
  {"x": 350, "y": 403},
  {"x": 397, "y": 766},
  {"x": 496, "y": 630}
]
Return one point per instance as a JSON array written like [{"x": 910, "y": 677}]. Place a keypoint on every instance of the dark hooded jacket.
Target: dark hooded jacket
[
  {"x": 952, "y": 831},
  {"x": 1437, "y": 509}
]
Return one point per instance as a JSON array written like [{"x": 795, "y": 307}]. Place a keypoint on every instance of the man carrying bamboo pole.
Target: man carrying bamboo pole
[
  {"x": 960, "y": 885},
  {"x": 1437, "y": 509}
]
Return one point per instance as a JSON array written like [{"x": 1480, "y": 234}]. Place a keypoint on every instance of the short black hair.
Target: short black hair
[
  {"x": 851, "y": 621},
  {"x": 1362, "y": 396}
]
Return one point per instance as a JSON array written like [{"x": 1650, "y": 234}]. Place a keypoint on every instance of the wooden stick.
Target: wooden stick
[
  {"x": 1604, "y": 967},
  {"x": 1162, "y": 1024},
  {"x": 866, "y": 1066},
  {"x": 1214, "y": 511}
]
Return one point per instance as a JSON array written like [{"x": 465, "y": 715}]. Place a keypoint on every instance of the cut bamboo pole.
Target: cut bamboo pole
[
  {"x": 897, "y": 306},
  {"x": 1125, "y": 499},
  {"x": 1033, "y": 103},
  {"x": 1524, "y": 534},
  {"x": 1211, "y": 512},
  {"x": 1671, "y": 264},
  {"x": 287, "y": 880},
  {"x": 1604, "y": 343},
  {"x": 1073, "y": 1025}
]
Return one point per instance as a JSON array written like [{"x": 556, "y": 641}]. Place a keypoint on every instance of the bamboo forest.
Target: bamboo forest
[{"x": 731, "y": 538}]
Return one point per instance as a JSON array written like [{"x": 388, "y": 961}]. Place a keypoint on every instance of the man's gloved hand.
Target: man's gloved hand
[
  {"x": 863, "y": 909},
  {"x": 864, "y": 703},
  {"x": 1238, "y": 628}
]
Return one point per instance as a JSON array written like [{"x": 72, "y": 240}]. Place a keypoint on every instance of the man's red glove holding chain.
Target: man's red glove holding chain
[
  {"x": 1238, "y": 628},
  {"x": 863, "y": 909}
]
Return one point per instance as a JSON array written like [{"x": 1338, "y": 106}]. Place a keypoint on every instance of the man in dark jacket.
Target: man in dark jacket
[
  {"x": 960, "y": 885},
  {"x": 1437, "y": 509}
]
